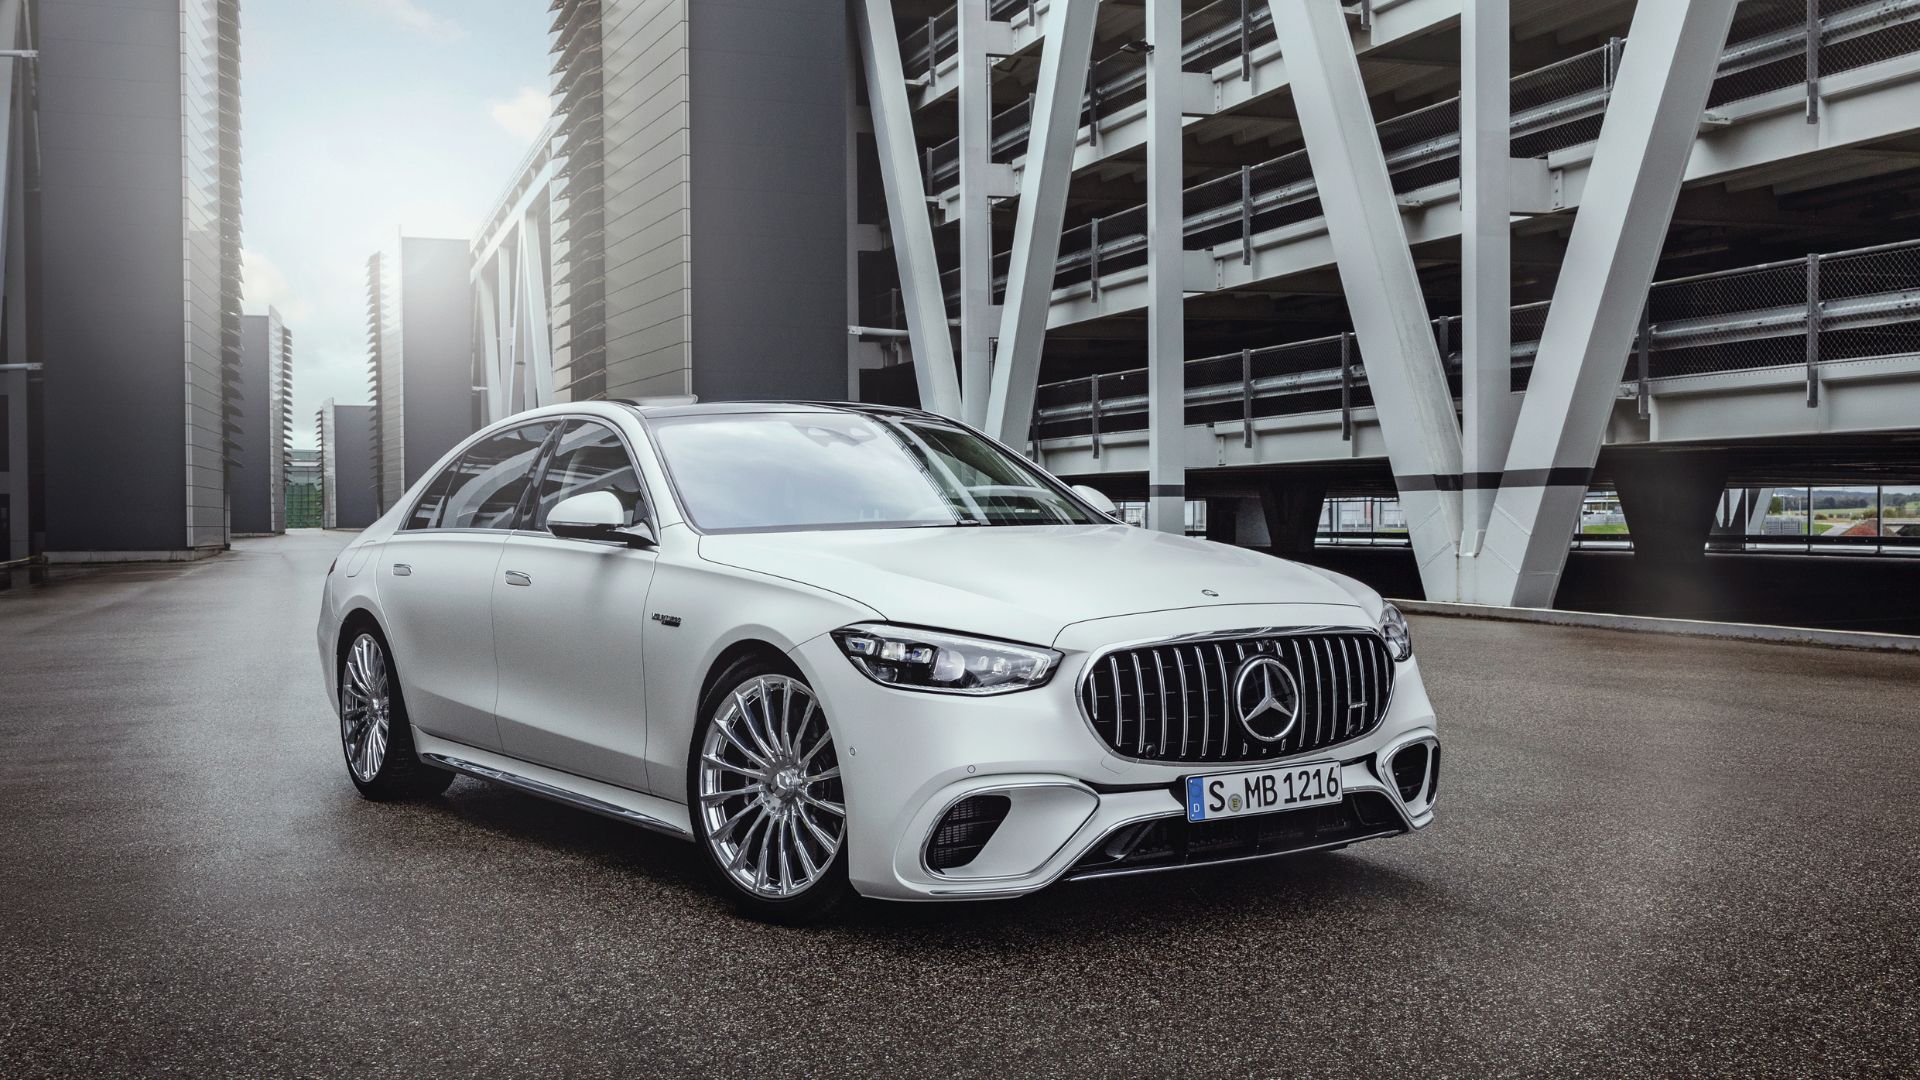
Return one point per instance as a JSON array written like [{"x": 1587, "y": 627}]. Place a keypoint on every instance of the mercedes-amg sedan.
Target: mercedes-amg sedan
[{"x": 851, "y": 648}]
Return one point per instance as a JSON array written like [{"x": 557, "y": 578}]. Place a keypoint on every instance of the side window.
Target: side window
[
  {"x": 590, "y": 457},
  {"x": 484, "y": 488}
]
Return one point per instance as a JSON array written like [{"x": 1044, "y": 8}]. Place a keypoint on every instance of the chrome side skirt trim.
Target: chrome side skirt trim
[{"x": 556, "y": 794}]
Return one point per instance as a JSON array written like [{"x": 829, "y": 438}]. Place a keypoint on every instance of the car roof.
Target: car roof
[{"x": 681, "y": 407}]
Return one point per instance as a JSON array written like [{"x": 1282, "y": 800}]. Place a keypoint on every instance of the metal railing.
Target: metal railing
[
  {"x": 1808, "y": 312},
  {"x": 1556, "y": 107}
]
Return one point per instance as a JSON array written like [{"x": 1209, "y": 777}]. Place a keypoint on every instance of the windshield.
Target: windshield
[{"x": 769, "y": 471}]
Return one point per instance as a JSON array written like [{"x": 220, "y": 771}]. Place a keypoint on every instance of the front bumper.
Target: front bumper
[{"x": 907, "y": 757}]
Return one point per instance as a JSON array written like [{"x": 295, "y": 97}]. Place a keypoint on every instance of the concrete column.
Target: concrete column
[
  {"x": 975, "y": 98},
  {"x": 1166, "y": 277},
  {"x": 1486, "y": 262},
  {"x": 1631, "y": 190},
  {"x": 1292, "y": 507},
  {"x": 910, "y": 223},
  {"x": 1064, "y": 58},
  {"x": 1389, "y": 311},
  {"x": 1669, "y": 500}
]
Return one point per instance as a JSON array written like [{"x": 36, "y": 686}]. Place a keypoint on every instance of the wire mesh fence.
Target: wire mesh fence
[
  {"x": 1556, "y": 107},
  {"x": 1822, "y": 309}
]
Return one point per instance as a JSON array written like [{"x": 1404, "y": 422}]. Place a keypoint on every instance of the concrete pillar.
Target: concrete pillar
[
  {"x": 975, "y": 97},
  {"x": 1369, "y": 240},
  {"x": 1166, "y": 274},
  {"x": 1486, "y": 262},
  {"x": 909, "y": 222},
  {"x": 1292, "y": 507},
  {"x": 1064, "y": 59},
  {"x": 1670, "y": 500},
  {"x": 1638, "y": 164}
]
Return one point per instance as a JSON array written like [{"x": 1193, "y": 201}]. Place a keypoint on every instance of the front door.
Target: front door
[
  {"x": 567, "y": 618},
  {"x": 435, "y": 581}
]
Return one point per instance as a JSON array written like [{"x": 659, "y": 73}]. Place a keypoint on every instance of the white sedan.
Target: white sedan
[{"x": 853, "y": 648}]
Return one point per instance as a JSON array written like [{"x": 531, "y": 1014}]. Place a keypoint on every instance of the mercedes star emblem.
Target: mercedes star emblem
[{"x": 1267, "y": 698}]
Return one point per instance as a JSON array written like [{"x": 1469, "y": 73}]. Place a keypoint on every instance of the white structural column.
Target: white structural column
[
  {"x": 1369, "y": 239},
  {"x": 1487, "y": 403},
  {"x": 908, "y": 218},
  {"x": 1638, "y": 165},
  {"x": 975, "y": 100},
  {"x": 1058, "y": 96},
  {"x": 1166, "y": 275}
]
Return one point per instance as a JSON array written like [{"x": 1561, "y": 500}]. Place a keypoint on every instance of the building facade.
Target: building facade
[
  {"x": 348, "y": 477},
  {"x": 306, "y": 486},
  {"x": 259, "y": 474},
  {"x": 137, "y": 276},
  {"x": 420, "y": 327}
]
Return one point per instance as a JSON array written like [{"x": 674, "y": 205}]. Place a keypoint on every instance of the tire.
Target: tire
[
  {"x": 375, "y": 736},
  {"x": 775, "y": 839}
]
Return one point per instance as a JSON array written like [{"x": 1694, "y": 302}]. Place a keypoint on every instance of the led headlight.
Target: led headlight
[
  {"x": 1393, "y": 627},
  {"x": 944, "y": 663}
]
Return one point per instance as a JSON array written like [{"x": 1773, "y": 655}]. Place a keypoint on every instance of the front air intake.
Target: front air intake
[
  {"x": 1410, "y": 771},
  {"x": 965, "y": 830}
]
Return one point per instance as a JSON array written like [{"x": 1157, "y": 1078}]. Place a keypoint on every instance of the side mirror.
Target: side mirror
[
  {"x": 596, "y": 515},
  {"x": 1098, "y": 499}
]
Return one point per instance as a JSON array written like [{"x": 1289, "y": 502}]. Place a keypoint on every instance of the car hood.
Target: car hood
[{"x": 1024, "y": 583}]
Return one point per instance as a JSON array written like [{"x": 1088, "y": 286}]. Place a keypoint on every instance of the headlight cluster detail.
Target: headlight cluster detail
[
  {"x": 1393, "y": 627},
  {"x": 929, "y": 660}
]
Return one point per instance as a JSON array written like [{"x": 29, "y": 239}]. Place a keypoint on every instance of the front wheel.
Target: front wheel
[
  {"x": 764, "y": 788},
  {"x": 374, "y": 733}
]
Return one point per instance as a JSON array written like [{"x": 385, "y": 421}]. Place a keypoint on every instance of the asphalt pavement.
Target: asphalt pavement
[{"x": 1655, "y": 856}]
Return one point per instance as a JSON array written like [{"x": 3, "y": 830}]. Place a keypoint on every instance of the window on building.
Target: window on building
[
  {"x": 1135, "y": 513},
  {"x": 1366, "y": 520}
]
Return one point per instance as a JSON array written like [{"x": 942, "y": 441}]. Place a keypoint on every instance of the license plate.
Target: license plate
[{"x": 1226, "y": 795}]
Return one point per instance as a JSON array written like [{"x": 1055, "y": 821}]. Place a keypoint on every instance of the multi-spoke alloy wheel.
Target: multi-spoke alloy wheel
[
  {"x": 374, "y": 733},
  {"x": 366, "y": 708},
  {"x": 771, "y": 808}
]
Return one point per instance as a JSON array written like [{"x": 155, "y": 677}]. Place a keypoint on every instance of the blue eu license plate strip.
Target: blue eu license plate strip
[{"x": 1263, "y": 791}]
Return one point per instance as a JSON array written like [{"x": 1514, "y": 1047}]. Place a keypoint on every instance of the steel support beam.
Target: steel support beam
[
  {"x": 1638, "y": 165},
  {"x": 907, "y": 215},
  {"x": 1166, "y": 274},
  {"x": 975, "y": 96},
  {"x": 13, "y": 239},
  {"x": 1064, "y": 60},
  {"x": 1369, "y": 242},
  {"x": 1486, "y": 264}
]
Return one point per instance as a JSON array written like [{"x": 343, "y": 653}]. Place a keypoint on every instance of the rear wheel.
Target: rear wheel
[
  {"x": 374, "y": 733},
  {"x": 764, "y": 788}
]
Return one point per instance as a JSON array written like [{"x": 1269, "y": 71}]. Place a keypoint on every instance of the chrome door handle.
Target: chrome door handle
[
  {"x": 401, "y": 569},
  {"x": 515, "y": 577}
]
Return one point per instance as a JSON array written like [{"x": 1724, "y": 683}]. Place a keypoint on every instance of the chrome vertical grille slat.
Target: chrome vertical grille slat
[{"x": 1343, "y": 678}]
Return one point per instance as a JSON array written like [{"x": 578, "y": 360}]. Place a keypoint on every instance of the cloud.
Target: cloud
[
  {"x": 416, "y": 18},
  {"x": 526, "y": 114}
]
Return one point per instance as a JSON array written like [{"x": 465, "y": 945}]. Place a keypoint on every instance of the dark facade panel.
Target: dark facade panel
[
  {"x": 768, "y": 160},
  {"x": 111, "y": 288},
  {"x": 436, "y": 325},
  {"x": 251, "y": 475},
  {"x": 356, "y": 504}
]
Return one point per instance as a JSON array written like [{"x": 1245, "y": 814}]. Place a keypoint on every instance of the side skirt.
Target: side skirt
[{"x": 578, "y": 792}]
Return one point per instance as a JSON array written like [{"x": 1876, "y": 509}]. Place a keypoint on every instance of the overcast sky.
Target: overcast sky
[{"x": 365, "y": 118}]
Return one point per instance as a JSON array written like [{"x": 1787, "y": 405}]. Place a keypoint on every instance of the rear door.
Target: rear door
[
  {"x": 436, "y": 580},
  {"x": 567, "y": 618}
]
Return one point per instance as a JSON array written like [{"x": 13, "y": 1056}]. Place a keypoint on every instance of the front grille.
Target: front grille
[
  {"x": 1175, "y": 701},
  {"x": 1172, "y": 842},
  {"x": 964, "y": 830}
]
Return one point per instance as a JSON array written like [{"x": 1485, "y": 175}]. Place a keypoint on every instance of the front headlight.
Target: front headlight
[
  {"x": 1393, "y": 627},
  {"x": 912, "y": 659}
]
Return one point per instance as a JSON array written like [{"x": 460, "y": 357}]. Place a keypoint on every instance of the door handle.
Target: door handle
[
  {"x": 515, "y": 577},
  {"x": 401, "y": 569}
]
